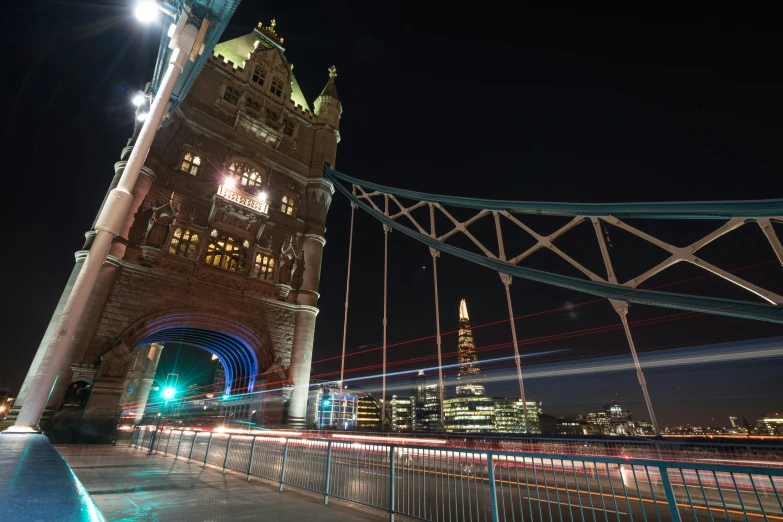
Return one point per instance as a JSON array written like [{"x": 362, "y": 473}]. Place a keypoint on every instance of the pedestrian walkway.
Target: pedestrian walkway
[{"x": 127, "y": 484}]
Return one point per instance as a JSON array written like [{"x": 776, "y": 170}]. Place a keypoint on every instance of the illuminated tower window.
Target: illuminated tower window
[
  {"x": 246, "y": 174},
  {"x": 287, "y": 206},
  {"x": 226, "y": 252},
  {"x": 263, "y": 266},
  {"x": 184, "y": 243},
  {"x": 190, "y": 163}
]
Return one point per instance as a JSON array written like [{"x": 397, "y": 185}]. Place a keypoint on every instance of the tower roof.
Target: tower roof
[{"x": 239, "y": 50}]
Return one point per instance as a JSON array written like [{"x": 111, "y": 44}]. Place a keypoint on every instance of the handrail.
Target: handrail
[{"x": 404, "y": 473}]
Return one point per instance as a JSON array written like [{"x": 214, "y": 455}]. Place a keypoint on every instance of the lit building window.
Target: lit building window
[
  {"x": 184, "y": 243},
  {"x": 190, "y": 163},
  {"x": 259, "y": 76},
  {"x": 231, "y": 95},
  {"x": 246, "y": 174},
  {"x": 288, "y": 127},
  {"x": 263, "y": 266},
  {"x": 272, "y": 115},
  {"x": 287, "y": 205},
  {"x": 226, "y": 252},
  {"x": 251, "y": 104},
  {"x": 276, "y": 87}
]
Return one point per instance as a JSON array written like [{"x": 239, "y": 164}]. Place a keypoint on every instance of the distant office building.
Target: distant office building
[
  {"x": 401, "y": 413},
  {"x": 616, "y": 413},
  {"x": 218, "y": 376},
  {"x": 510, "y": 416},
  {"x": 368, "y": 412},
  {"x": 469, "y": 413},
  {"x": 598, "y": 423},
  {"x": 733, "y": 422},
  {"x": 563, "y": 424},
  {"x": 467, "y": 356},
  {"x": 770, "y": 424},
  {"x": 427, "y": 395}
]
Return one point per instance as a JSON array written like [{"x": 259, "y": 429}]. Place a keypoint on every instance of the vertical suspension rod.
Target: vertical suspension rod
[
  {"x": 506, "y": 279},
  {"x": 385, "y": 288},
  {"x": 345, "y": 320},
  {"x": 435, "y": 254}
]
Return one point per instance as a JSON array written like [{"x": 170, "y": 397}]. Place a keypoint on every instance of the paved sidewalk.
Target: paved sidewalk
[{"x": 126, "y": 484}]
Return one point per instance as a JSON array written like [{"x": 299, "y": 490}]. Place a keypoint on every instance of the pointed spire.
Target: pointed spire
[
  {"x": 463, "y": 310},
  {"x": 330, "y": 89}
]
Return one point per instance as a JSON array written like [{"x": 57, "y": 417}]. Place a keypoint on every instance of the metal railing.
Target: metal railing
[{"x": 453, "y": 484}]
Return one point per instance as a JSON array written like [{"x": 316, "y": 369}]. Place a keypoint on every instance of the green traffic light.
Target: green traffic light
[
  {"x": 327, "y": 402},
  {"x": 168, "y": 392}
]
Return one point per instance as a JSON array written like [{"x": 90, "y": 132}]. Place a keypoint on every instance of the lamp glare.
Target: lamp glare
[
  {"x": 138, "y": 99},
  {"x": 146, "y": 11},
  {"x": 168, "y": 392},
  {"x": 141, "y": 116}
]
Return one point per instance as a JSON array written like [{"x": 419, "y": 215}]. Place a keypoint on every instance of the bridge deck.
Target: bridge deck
[{"x": 127, "y": 484}]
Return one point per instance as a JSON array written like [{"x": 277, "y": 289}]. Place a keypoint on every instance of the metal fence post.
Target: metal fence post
[
  {"x": 667, "y": 487},
  {"x": 130, "y": 443},
  {"x": 181, "y": 434},
  {"x": 282, "y": 467},
  {"x": 391, "y": 483},
  {"x": 250, "y": 461},
  {"x": 192, "y": 445},
  {"x": 166, "y": 449},
  {"x": 206, "y": 453},
  {"x": 328, "y": 471},
  {"x": 152, "y": 442},
  {"x": 228, "y": 448},
  {"x": 493, "y": 500}
]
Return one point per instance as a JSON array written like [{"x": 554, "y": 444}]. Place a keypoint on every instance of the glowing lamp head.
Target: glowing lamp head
[
  {"x": 229, "y": 182},
  {"x": 262, "y": 196},
  {"x": 138, "y": 99},
  {"x": 327, "y": 402},
  {"x": 146, "y": 11},
  {"x": 141, "y": 116},
  {"x": 168, "y": 392}
]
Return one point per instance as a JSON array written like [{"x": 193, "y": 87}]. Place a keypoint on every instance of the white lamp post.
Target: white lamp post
[{"x": 107, "y": 227}]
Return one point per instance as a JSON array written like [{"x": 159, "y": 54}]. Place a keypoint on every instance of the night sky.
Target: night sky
[{"x": 548, "y": 104}]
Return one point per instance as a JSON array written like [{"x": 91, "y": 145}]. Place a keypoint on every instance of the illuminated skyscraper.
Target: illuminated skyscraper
[
  {"x": 466, "y": 356},
  {"x": 427, "y": 394}
]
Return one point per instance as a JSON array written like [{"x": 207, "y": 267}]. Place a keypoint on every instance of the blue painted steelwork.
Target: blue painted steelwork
[
  {"x": 657, "y": 210},
  {"x": 219, "y": 13},
  {"x": 437, "y": 484},
  {"x": 708, "y": 305}
]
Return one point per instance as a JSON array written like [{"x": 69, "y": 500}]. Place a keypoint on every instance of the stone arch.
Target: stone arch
[{"x": 241, "y": 348}]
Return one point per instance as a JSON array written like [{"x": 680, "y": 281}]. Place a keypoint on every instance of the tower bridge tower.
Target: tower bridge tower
[{"x": 222, "y": 246}]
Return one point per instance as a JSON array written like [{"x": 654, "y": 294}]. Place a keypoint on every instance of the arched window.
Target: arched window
[
  {"x": 263, "y": 266},
  {"x": 246, "y": 174},
  {"x": 287, "y": 205},
  {"x": 276, "y": 87},
  {"x": 226, "y": 252},
  {"x": 231, "y": 95},
  {"x": 259, "y": 76},
  {"x": 272, "y": 115},
  {"x": 190, "y": 163},
  {"x": 251, "y": 104},
  {"x": 184, "y": 243},
  {"x": 288, "y": 127}
]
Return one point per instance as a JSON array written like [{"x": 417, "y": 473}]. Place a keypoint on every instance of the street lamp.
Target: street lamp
[
  {"x": 138, "y": 99},
  {"x": 112, "y": 217}
]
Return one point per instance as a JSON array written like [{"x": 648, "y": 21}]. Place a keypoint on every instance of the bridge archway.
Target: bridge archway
[{"x": 240, "y": 348}]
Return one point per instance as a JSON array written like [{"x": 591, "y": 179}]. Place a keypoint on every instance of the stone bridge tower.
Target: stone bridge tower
[{"x": 222, "y": 246}]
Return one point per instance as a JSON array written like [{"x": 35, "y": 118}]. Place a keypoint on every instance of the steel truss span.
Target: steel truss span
[
  {"x": 440, "y": 484},
  {"x": 380, "y": 202}
]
